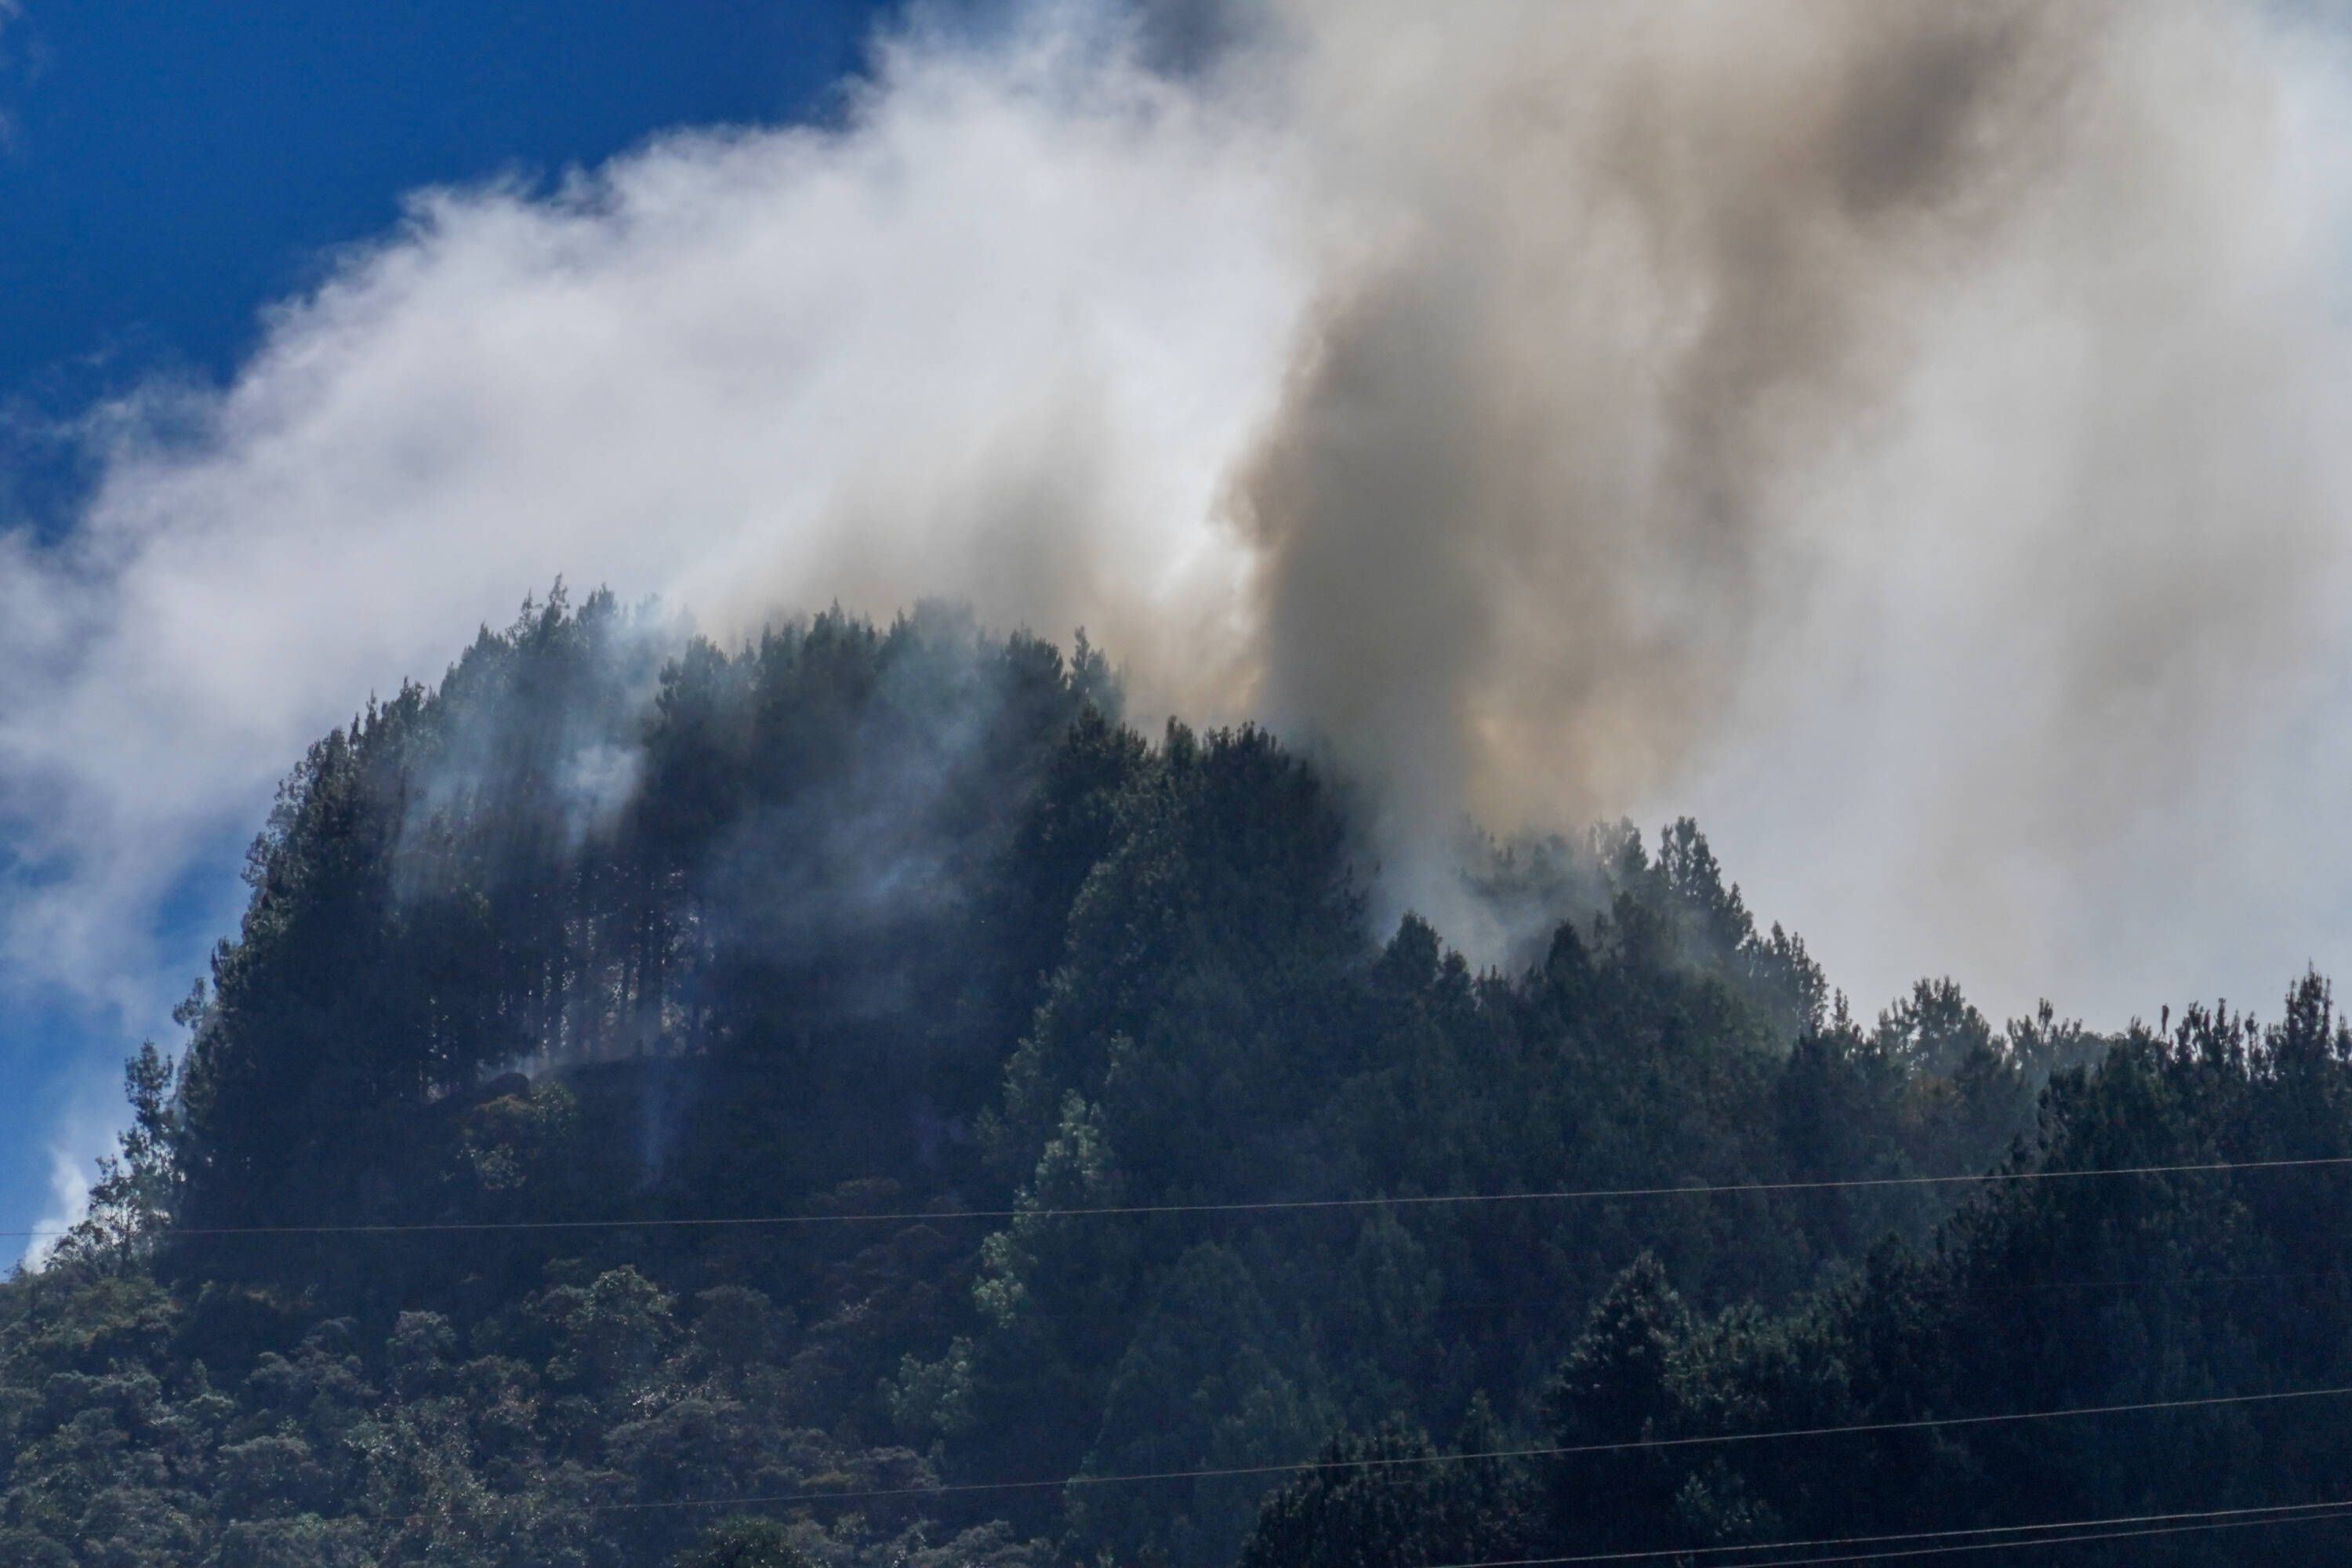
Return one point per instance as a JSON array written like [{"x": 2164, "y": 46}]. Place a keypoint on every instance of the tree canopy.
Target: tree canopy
[{"x": 852, "y": 1098}]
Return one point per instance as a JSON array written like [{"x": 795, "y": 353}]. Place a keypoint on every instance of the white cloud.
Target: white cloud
[
  {"x": 68, "y": 1199},
  {"x": 2035, "y": 676},
  {"x": 992, "y": 340}
]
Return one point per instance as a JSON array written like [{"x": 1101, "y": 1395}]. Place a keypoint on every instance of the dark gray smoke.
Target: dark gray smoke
[
  {"x": 1628, "y": 305},
  {"x": 1513, "y": 505},
  {"x": 1903, "y": 432}
]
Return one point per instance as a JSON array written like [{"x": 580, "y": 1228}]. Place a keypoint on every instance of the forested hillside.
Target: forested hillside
[{"x": 852, "y": 1100}]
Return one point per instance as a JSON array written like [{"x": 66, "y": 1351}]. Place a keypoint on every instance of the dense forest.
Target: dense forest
[{"x": 850, "y": 1100}]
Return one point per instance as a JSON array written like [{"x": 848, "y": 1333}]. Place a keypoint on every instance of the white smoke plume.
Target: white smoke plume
[{"x": 1906, "y": 433}]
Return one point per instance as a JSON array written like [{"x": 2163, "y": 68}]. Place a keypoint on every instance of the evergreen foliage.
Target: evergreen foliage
[{"x": 901, "y": 934}]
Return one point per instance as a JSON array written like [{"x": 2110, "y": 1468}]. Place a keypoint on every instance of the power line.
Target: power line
[
  {"x": 2332, "y": 1511},
  {"x": 2048, "y": 1533},
  {"x": 1308, "y": 1467},
  {"x": 1268, "y": 1205}
]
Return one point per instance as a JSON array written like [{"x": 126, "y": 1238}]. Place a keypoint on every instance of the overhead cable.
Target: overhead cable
[
  {"x": 1632, "y": 1445},
  {"x": 1265, "y": 1205},
  {"x": 2053, "y": 1533}
]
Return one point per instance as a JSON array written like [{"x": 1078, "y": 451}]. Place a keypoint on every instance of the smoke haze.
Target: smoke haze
[
  {"x": 1628, "y": 394},
  {"x": 1906, "y": 434}
]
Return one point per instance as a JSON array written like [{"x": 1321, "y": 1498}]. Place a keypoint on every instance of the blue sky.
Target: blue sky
[
  {"x": 168, "y": 170},
  {"x": 2052, "y": 478}
]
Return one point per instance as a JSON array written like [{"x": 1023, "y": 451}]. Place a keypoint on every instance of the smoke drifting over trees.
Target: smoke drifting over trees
[
  {"x": 1693, "y": 327},
  {"x": 1905, "y": 436},
  {"x": 1655, "y": 260},
  {"x": 1902, "y": 431},
  {"x": 951, "y": 1128},
  {"x": 1910, "y": 432}
]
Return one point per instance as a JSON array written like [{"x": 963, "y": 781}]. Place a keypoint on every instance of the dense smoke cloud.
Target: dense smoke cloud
[
  {"x": 991, "y": 340},
  {"x": 1516, "y": 503},
  {"x": 1617, "y": 403},
  {"x": 1905, "y": 432}
]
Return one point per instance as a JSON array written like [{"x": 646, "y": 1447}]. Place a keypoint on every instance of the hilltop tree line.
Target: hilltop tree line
[{"x": 660, "y": 1102}]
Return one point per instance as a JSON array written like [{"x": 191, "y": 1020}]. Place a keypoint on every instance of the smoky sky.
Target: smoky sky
[
  {"x": 1905, "y": 434},
  {"x": 1567, "y": 452}
]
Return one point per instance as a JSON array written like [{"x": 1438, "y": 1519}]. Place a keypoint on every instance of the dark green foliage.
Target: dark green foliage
[
  {"x": 873, "y": 927},
  {"x": 1614, "y": 1388},
  {"x": 540, "y": 1436},
  {"x": 746, "y": 1541},
  {"x": 2038, "y": 1296},
  {"x": 1394, "y": 1500},
  {"x": 137, "y": 1189}
]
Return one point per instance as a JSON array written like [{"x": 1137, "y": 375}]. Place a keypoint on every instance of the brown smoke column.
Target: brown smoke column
[{"x": 1615, "y": 278}]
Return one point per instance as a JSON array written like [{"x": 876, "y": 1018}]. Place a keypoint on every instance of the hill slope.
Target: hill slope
[{"x": 652, "y": 1082}]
